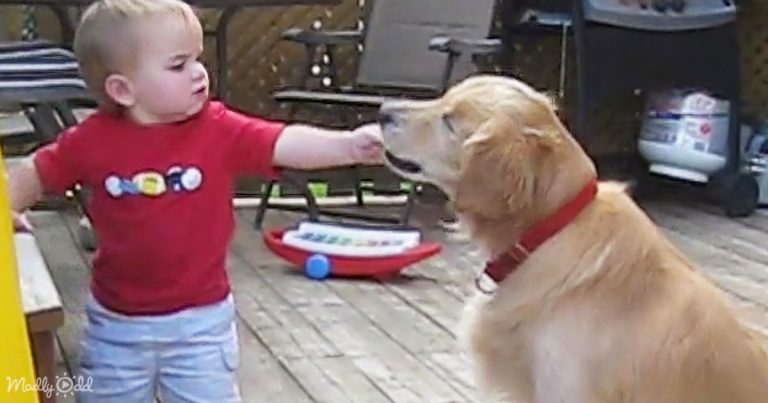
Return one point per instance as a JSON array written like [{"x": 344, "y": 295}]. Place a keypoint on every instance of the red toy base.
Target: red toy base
[{"x": 345, "y": 266}]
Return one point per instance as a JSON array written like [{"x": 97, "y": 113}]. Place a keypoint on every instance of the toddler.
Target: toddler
[{"x": 159, "y": 158}]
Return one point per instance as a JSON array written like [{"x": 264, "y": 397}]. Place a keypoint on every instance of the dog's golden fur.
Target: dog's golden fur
[{"x": 606, "y": 311}]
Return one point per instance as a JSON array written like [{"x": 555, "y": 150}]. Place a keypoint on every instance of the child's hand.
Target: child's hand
[
  {"x": 21, "y": 223},
  {"x": 367, "y": 145}
]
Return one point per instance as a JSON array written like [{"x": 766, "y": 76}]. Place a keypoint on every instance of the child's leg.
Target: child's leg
[
  {"x": 199, "y": 360},
  {"x": 118, "y": 357}
]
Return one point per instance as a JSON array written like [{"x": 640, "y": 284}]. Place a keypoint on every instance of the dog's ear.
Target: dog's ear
[{"x": 498, "y": 168}]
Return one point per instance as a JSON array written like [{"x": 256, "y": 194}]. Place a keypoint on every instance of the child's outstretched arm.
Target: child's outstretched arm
[
  {"x": 24, "y": 189},
  {"x": 310, "y": 147}
]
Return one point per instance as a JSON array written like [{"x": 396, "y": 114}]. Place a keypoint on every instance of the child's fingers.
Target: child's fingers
[
  {"x": 21, "y": 223},
  {"x": 373, "y": 146},
  {"x": 369, "y": 144},
  {"x": 371, "y": 132},
  {"x": 372, "y": 153}
]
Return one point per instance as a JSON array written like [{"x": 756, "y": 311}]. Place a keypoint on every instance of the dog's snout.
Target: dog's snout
[
  {"x": 390, "y": 113},
  {"x": 386, "y": 117}
]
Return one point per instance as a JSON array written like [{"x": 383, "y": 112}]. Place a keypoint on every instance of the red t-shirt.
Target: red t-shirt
[{"x": 161, "y": 202}]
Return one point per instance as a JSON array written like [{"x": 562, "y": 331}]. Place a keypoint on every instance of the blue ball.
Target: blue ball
[{"x": 317, "y": 267}]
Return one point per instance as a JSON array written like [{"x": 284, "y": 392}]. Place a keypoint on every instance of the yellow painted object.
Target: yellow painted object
[{"x": 17, "y": 374}]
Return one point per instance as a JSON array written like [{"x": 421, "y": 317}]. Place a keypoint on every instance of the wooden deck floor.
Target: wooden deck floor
[{"x": 359, "y": 341}]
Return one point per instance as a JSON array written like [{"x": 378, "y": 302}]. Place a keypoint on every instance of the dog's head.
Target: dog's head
[{"x": 493, "y": 144}]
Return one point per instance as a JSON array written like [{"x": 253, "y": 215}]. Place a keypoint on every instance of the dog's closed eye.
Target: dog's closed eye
[{"x": 446, "y": 119}]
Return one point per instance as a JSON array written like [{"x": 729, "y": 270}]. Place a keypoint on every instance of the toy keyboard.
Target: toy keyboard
[
  {"x": 347, "y": 241},
  {"x": 352, "y": 252}
]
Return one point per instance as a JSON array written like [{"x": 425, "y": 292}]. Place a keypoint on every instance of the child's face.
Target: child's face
[{"x": 168, "y": 82}]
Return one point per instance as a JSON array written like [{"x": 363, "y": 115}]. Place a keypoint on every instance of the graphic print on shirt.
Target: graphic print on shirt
[{"x": 152, "y": 183}]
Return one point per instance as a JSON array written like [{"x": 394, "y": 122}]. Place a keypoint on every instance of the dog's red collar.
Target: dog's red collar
[{"x": 499, "y": 268}]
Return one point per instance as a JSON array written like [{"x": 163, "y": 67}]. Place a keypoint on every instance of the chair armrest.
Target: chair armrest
[
  {"x": 311, "y": 37},
  {"x": 458, "y": 46},
  {"x": 544, "y": 19}
]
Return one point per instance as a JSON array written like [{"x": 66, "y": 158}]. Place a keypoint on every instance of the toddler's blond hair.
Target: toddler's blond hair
[{"x": 106, "y": 39}]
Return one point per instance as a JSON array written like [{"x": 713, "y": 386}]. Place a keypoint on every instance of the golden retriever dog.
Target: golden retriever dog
[{"x": 604, "y": 308}]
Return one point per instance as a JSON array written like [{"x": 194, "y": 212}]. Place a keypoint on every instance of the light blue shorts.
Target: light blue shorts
[{"x": 188, "y": 356}]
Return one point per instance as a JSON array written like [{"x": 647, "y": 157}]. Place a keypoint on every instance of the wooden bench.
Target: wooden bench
[{"x": 42, "y": 306}]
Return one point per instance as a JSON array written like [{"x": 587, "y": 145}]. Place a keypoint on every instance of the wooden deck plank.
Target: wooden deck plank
[
  {"x": 385, "y": 356},
  {"x": 285, "y": 331},
  {"x": 758, "y": 220},
  {"x": 322, "y": 382},
  {"x": 71, "y": 275},
  {"x": 454, "y": 370},
  {"x": 439, "y": 291},
  {"x": 402, "y": 323},
  {"x": 699, "y": 246},
  {"x": 742, "y": 278},
  {"x": 714, "y": 229},
  {"x": 713, "y": 261},
  {"x": 354, "y": 334},
  {"x": 395, "y": 341},
  {"x": 396, "y": 334},
  {"x": 357, "y": 387},
  {"x": 260, "y": 375},
  {"x": 278, "y": 315},
  {"x": 340, "y": 324},
  {"x": 278, "y": 336}
]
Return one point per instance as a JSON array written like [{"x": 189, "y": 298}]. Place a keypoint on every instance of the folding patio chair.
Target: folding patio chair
[
  {"x": 411, "y": 49},
  {"x": 42, "y": 79}
]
